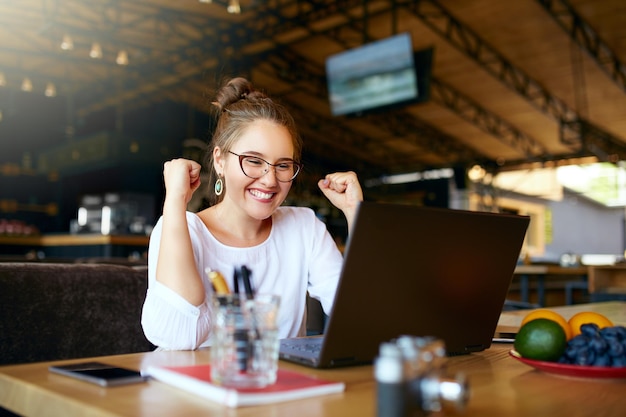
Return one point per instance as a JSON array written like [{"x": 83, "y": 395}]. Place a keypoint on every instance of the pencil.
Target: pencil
[{"x": 218, "y": 282}]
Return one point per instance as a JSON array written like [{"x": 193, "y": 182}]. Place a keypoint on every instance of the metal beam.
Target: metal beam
[
  {"x": 436, "y": 17},
  {"x": 485, "y": 120},
  {"x": 440, "y": 21},
  {"x": 587, "y": 38},
  {"x": 596, "y": 141}
]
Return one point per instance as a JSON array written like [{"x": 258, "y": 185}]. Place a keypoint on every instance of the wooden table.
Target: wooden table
[
  {"x": 607, "y": 279},
  {"x": 539, "y": 273},
  {"x": 76, "y": 245},
  {"x": 75, "y": 240},
  {"x": 500, "y": 386}
]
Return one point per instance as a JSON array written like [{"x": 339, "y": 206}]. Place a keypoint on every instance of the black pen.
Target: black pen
[
  {"x": 247, "y": 284},
  {"x": 244, "y": 274},
  {"x": 236, "y": 282}
]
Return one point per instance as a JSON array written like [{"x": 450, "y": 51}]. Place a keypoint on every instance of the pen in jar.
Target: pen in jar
[{"x": 247, "y": 283}]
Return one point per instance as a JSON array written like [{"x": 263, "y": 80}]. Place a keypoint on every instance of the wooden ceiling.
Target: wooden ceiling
[{"x": 513, "y": 82}]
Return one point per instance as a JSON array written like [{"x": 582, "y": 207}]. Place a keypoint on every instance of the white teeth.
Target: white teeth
[{"x": 259, "y": 194}]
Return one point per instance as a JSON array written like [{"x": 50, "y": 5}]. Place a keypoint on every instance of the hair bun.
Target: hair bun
[{"x": 236, "y": 89}]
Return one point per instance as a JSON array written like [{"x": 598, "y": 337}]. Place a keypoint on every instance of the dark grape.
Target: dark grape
[
  {"x": 603, "y": 360},
  {"x": 598, "y": 344},
  {"x": 579, "y": 341},
  {"x": 589, "y": 329},
  {"x": 585, "y": 357},
  {"x": 619, "y": 361},
  {"x": 570, "y": 352},
  {"x": 596, "y": 347},
  {"x": 608, "y": 333},
  {"x": 616, "y": 349}
]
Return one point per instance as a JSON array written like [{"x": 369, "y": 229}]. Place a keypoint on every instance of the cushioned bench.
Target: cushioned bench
[{"x": 51, "y": 311}]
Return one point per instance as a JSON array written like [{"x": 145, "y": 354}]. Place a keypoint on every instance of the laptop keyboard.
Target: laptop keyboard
[{"x": 308, "y": 347}]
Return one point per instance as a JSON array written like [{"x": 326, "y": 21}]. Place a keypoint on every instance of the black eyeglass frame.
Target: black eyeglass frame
[{"x": 241, "y": 157}]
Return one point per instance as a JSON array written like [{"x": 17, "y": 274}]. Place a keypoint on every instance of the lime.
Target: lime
[
  {"x": 542, "y": 339},
  {"x": 544, "y": 313}
]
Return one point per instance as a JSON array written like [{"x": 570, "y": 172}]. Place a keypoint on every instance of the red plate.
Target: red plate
[{"x": 577, "y": 371}]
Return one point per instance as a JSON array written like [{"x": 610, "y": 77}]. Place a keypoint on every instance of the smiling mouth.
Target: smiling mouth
[{"x": 262, "y": 195}]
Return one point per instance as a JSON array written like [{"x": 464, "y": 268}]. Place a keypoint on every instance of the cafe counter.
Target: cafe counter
[{"x": 74, "y": 245}]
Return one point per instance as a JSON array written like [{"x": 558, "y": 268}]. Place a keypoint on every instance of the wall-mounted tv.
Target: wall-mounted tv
[{"x": 378, "y": 75}]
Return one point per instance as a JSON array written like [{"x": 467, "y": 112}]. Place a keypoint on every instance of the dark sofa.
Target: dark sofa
[{"x": 52, "y": 311}]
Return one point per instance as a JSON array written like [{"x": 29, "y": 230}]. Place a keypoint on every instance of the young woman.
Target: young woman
[{"x": 255, "y": 157}]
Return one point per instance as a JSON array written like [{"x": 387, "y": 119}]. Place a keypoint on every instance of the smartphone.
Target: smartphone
[
  {"x": 100, "y": 373},
  {"x": 504, "y": 337}
]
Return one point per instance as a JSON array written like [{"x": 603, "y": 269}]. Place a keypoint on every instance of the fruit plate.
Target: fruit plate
[{"x": 575, "y": 371}]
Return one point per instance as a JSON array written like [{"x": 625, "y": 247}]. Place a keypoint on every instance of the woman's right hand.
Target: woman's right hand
[
  {"x": 182, "y": 178},
  {"x": 176, "y": 266}
]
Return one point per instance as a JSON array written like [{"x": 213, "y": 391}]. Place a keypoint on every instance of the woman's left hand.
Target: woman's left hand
[{"x": 344, "y": 192}]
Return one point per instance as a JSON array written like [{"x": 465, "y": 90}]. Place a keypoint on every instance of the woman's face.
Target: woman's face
[{"x": 258, "y": 198}]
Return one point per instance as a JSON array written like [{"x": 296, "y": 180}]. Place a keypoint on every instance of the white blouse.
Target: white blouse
[{"x": 298, "y": 256}]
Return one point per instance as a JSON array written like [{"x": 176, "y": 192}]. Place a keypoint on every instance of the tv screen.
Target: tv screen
[{"x": 378, "y": 75}]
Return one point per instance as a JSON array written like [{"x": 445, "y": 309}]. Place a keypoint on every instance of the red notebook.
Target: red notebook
[{"x": 289, "y": 386}]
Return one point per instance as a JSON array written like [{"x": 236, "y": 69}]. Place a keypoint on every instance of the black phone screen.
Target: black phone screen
[{"x": 99, "y": 373}]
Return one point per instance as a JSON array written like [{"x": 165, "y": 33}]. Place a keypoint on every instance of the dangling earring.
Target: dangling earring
[{"x": 219, "y": 186}]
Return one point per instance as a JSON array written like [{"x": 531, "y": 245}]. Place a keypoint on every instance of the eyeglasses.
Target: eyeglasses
[{"x": 255, "y": 167}]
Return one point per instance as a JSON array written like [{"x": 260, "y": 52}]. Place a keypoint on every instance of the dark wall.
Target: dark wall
[
  {"x": 30, "y": 122},
  {"x": 33, "y": 124}
]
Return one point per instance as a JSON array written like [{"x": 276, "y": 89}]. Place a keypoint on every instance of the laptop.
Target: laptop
[{"x": 419, "y": 271}]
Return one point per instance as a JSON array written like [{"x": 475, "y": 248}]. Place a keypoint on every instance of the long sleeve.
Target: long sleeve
[
  {"x": 298, "y": 256},
  {"x": 169, "y": 321}
]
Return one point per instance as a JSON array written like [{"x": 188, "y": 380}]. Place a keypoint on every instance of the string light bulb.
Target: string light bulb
[
  {"x": 122, "y": 58},
  {"x": 96, "y": 51},
  {"x": 27, "y": 85},
  {"x": 67, "y": 44},
  {"x": 51, "y": 90},
  {"x": 233, "y": 7}
]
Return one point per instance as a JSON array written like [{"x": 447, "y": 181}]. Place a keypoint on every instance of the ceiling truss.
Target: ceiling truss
[{"x": 175, "y": 52}]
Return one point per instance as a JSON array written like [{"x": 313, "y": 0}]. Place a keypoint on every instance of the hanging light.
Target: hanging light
[
  {"x": 3, "y": 80},
  {"x": 51, "y": 90},
  {"x": 96, "y": 51},
  {"x": 233, "y": 7},
  {"x": 27, "y": 85},
  {"x": 205, "y": 1},
  {"x": 67, "y": 44},
  {"x": 476, "y": 173},
  {"x": 122, "y": 58}
]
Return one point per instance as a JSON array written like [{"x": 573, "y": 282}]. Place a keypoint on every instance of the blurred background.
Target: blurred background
[{"x": 515, "y": 107}]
